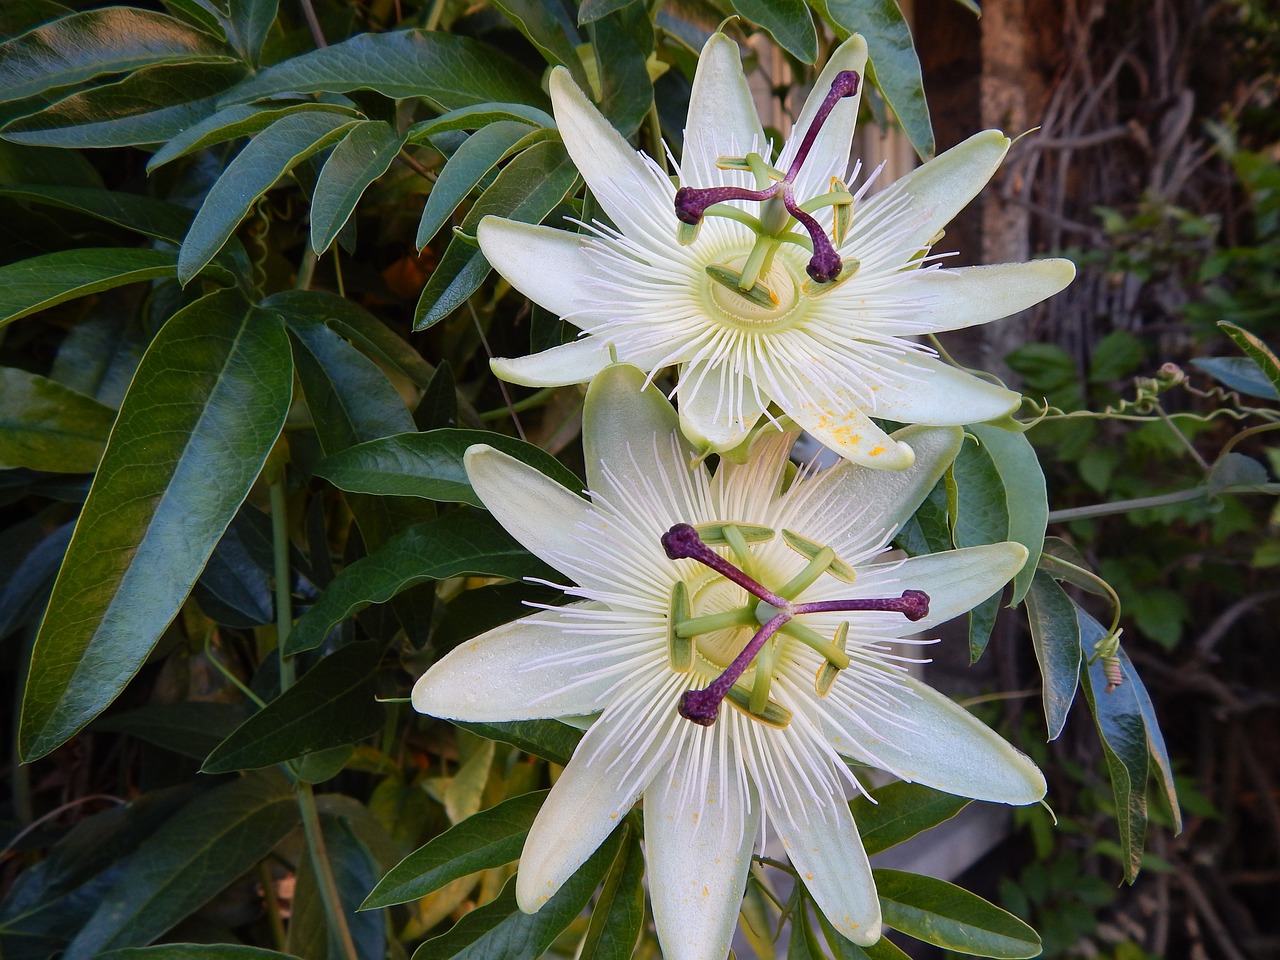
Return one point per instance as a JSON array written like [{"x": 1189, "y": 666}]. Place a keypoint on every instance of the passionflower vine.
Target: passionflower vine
[
  {"x": 683, "y": 578},
  {"x": 768, "y": 281}
]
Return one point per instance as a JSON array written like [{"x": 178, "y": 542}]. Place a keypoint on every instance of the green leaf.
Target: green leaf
[
  {"x": 626, "y": 92},
  {"x": 46, "y": 426},
  {"x": 185, "y": 863},
  {"x": 500, "y": 930},
  {"x": 354, "y": 871},
  {"x": 527, "y": 189},
  {"x": 1235, "y": 470},
  {"x": 248, "y": 25},
  {"x": 96, "y": 42},
  {"x": 1122, "y": 728},
  {"x": 241, "y": 120},
  {"x": 429, "y": 465},
  {"x": 145, "y": 215},
  {"x": 1238, "y": 373},
  {"x": 30, "y": 286},
  {"x": 447, "y": 70},
  {"x": 1026, "y": 499},
  {"x": 549, "y": 739},
  {"x": 267, "y": 157},
  {"x": 893, "y": 56},
  {"x": 593, "y": 10},
  {"x": 618, "y": 914},
  {"x": 787, "y": 21},
  {"x": 487, "y": 839},
  {"x": 479, "y": 115},
  {"x": 148, "y": 106},
  {"x": 951, "y": 917},
  {"x": 461, "y": 542},
  {"x": 1156, "y": 749},
  {"x": 982, "y": 621},
  {"x": 195, "y": 951},
  {"x": 1255, "y": 350},
  {"x": 188, "y": 727},
  {"x": 475, "y": 157},
  {"x": 540, "y": 26},
  {"x": 901, "y": 810},
  {"x": 332, "y": 704},
  {"x": 202, "y": 413},
  {"x": 842, "y": 949},
  {"x": 362, "y": 156},
  {"x": 1055, "y": 635}
]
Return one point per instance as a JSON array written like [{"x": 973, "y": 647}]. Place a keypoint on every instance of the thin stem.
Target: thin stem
[
  {"x": 653, "y": 131},
  {"x": 324, "y": 874},
  {"x": 506, "y": 396},
  {"x": 528, "y": 403},
  {"x": 274, "y": 916},
  {"x": 1182, "y": 438},
  {"x": 1162, "y": 500},
  {"x": 1244, "y": 435},
  {"x": 284, "y": 596},
  {"x": 313, "y": 24},
  {"x": 223, "y": 669}
]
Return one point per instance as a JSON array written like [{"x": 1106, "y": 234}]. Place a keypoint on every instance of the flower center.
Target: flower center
[
  {"x": 720, "y": 628},
  {"x": 776, "y": 309}
]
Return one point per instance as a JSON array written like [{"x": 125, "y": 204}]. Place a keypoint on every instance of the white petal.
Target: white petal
[
  {"x": 574, "y": 362},
  {"x": 621, "y": 414},
  {"x": 919, "y": 388},
  {"x": 515, "y": 672},
  {"x": 943, "y": 187},
  {"x": 547, "y": 519},
  {"x": 548, "y": 266},
  {"x": 938, "y": 743},
  {"x": 831, "y": 413},
  {"x": 824, "y": 847},
  {"x": 830, "y": 153},
  {"x": 699, "y": 845},
  {"x": 936, "y": 300},
  {"x": 595, "y": 790},
  {"x": 718, "y": 406},
  {"x": 955, "y": 580},
  {"x": 722, "y": 114}
]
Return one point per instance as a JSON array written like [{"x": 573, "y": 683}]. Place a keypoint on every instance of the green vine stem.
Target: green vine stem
[
  {"x": 324, "y": 874},
  {"x": 1162, "y": 500}
]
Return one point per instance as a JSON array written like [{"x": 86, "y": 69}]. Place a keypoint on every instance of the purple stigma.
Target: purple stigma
[
  {"x": 683, "y": 542},
  {"x": 913, "y": 604},
  {"x": 703, "y": 706},
  {"x": 844, "y": 85}
]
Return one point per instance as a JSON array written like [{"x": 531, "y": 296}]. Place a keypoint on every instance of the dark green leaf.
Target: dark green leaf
[
  {"x": 842, "y": 949},
  {"x": 235, "y": 587},
  {"x": 1026, "y": 500},
  {"x": 197, "y": 853},
  {"x": 548, "y": 739},
  {"x": 893, "y": 56},
  {"x": 1238, "y": 373},
  {"x": 1235, "y": 470},
  {"x": 438, "y": 406},
  {"x": 429, "y": 465},
  {"x": 332, "y": 704},
  {"x": 928, "y": 531},
  {"x": 248, "y": 25},
  {"x": 900, "y": 811},
  {"x": 208, "y": 15},
  {"x": 354, "y": 871},
  {"x": 1156, "y": 749},
  {"x": 145, "y": 215},
  {"x": 195, "y": 951},
  {"x": 149, "y": 106},
  {"x": 1055, "y": 634},
  {"x": 951, "y": 917},
  {"x": 626, "y": 92},
  {"x": 46, "y": 426},
  {"x": 460, "y": 542},
  {"x": 1255, "y": 350},
  {"x": 449, "y": 71},
  {"x": 266, "y": 158},
  {"x": 1122, "y": 728},
  {"x": 29, "y": 286},
  {"x": 618, "y": 914},
  {"x": 535, "y": 20},
  {"x": 788, "y": 22},
  {"x": 592, "y": 10},
  {"x": 241, "y": 120},
  {"x": 19, "y": 16},
  {"x": 982, "y": 621},
  {"x": 191, "y": 728},
  {"x": 204, "y": 409},
  {"x": 476, "y": 116},
  {"x": 527, "y": 189},
  {"x": 362, "y": 156},
  {"x": 487, "y": 839},
  {"x": 978, "y": 514},
  {"x": 95, "y": 42},
  {"x": 500, "y": 930},
  {"x": 37, "y": 166}
]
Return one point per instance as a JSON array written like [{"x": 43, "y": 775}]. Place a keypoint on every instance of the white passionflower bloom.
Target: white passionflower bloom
[
  {"x": 735, "y": 681},
  {"x": 805, "y": 299}
]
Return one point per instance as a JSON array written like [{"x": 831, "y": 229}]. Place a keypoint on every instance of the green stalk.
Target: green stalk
[
  {"x": 1163, "y": 500},
  {"x": 324, "y": 875},
  {"x": 284, "y": 597}
]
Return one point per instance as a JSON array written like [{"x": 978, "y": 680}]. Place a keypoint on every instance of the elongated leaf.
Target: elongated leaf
[
  {"x": 1055, "y": 634},
  {"x": 145, "y": 215},
  {"x": 333, "y": 704},
  {"x": 527, "y": 189},
  {"x": 187, "y": 861},
  {"x": 204, "y": 409},
  {"x": 460, "y": 542},
  {"x": 354, "y": 871},
  {"x": 479, "y": 115},
  {"x": 549, "y": 739},
  {"x": 268, "y": 156},
  {"x": 900, "y": 811},
  {"x": 535, "y": 20},
  {"x": 248, "y": 25},
  {"x": 148, "y": 106},
  {"x": 842, "y": 949},
  {"x": 1026, "y": 499},
  {"x": 1256, "y": 350},
  {"x": 1238, "y": 373},
  {"x": 46, "y": 426},
  {"x": 487, "y": 839},
  {"x": 196, "y": 951},
  {"x": 1162, "y": 767},
  {"x": 191, "y": 728},
  {"x": 29, "y": 286},
  {"x": 470, "y": 163},
  {"x": 893, "y": 56},
  {"x": 618, "y": 914},
  {"x": 979, "y": 514},
  {"x": 501, "y": 931},
  {"x": 626, "y": 92},
  {"x": 362, "y": 156},
  {"x": 449, "y": 71},
  {"x": 788, "y": 22},
  {"x": 95, "y": 42},
  {"x": 429, "y": 465},
  {"x": 235, "y": 587},
  {"x": 1123, "y": 731},
  {"x": 951, "y": 917},
  {"x": 240, "y": 120},
  {"x": 592, "y": 10}
]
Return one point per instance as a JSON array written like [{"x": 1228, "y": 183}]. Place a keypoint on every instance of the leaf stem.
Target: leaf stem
[
  {"x": 324, "y": 873},
  {"x": 284, "y": 596},
  {"x": 519, "y": 406},
  {"x": 1161, "y": 500}
]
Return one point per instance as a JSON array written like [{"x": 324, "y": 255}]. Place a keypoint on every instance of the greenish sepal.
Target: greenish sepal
[
  {"x": 758, "y": 294},
  {"x": 774, "y": 714},
  {"x": 809, "y": 550},
  {"x": 679, "y": 649}
]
